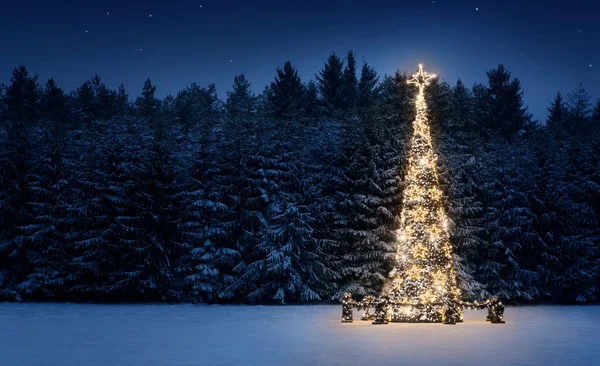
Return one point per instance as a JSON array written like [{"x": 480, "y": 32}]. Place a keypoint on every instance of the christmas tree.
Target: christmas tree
[{"x": 424, "y": 287}]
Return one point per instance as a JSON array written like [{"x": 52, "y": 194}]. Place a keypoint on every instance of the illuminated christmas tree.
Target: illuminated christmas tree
[{"x": 424, "y": 287}]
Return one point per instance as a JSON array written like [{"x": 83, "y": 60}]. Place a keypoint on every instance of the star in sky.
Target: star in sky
[
  {"x": 476, "y": 9},
  {"x": 590, "y": 65},
  {"x": 108, "y": 13},
  {"x": 150, "y": 15}
]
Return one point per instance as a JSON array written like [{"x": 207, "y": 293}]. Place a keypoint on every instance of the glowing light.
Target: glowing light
[
  {"x": 415, "y": 272},
  {"x": 424, "y": 286},
  {"x": 420, "y": 252},
  {"x": 421, "y": 79},
  {"x": 424, "y": 254},
  {"x": 428, "y": 296}
]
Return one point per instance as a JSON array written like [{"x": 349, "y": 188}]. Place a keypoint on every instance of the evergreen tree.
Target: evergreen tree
[
  {"x": 147, "y": 104},
  {"x": 367, "y": 93},
  {"x": 104, "y": 99},
  {"x": 202, "y": 228},
  {"x": 330, "y": 83},
  {"x": 241, "y": 102},
  {"x": 312, "y": 104},
  {"x": 241, "y": 180},
  {"x": 22, "y": 96},
  {"x": 196, "y": 106},
  {"x": 394, "y": 102},
  {"x": 286, "y": 95},
  {"x": 461, "y": 117},
  {"x": 509, "y": 223},
  {"x": 122, "y": 101},
  {"x": 460, "y": 174},
  {"x": 204, "y": 260},
  {"x": 153, "y": 215},
  {"x": 564, "y": 244},
  {"x": 289, "y": 261},
  {"x": 91, "y": 205},
  {"x": 556, "y": 113},
  {"x": 578, "y": 105},
  {"x": 19, "y": 251},
  {"x": 83, "y": 104},
  {"x": 53, "y": 102},
  {"x": 349, "y": 84},
  {"x": 467, "y": 216},
  {"x": 500, "y": 106},
  {"x": 362, "y": 222},
  {"x": 439, "y": 104},
  {"x": 44, "y": 233}
]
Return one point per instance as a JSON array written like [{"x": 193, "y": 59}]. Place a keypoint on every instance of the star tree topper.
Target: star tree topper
[{"x": 421, "y": 79}]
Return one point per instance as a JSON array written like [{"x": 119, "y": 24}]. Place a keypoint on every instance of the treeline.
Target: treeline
[{"x": 292, "y": 195}]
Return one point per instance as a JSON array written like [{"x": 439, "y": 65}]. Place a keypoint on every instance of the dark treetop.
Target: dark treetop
[{"x": 551, "y": 46}]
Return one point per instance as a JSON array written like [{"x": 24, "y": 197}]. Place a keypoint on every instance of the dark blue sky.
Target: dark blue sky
[{"x": 550, "y": 46}]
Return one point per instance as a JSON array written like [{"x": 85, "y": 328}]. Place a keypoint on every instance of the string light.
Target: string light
[
  {"x": 424, "y": 285},
  {"x": 347, "y": 305},
  {"x": 424, "y": 224},
  {"x": 366, "y": 305}
]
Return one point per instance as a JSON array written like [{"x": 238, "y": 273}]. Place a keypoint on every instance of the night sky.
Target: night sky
[{"x": 550, "y": 47}]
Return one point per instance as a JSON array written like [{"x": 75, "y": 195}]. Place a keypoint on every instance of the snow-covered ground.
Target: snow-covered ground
[{"x": 77, "y": 335}]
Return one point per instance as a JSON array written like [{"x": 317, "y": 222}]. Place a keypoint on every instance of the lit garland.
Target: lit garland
[
  {"x": 424, "y": 286},
  {"x": 494, "y": 306},
  {"x": 366, "y": 304},
  {"x": 347, "y": 305}
]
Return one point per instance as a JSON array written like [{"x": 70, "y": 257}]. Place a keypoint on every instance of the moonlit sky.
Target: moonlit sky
[{"x": 549, "y": 45}]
